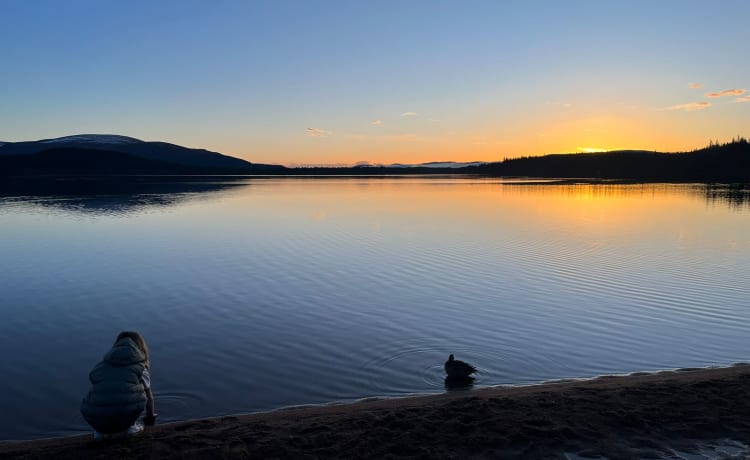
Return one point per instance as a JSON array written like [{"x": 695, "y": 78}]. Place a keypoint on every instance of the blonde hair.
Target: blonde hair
[{"x": 140, "y": 342}]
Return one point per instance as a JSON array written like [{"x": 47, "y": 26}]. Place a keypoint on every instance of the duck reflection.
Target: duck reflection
[{"x": 458, "y": 383}]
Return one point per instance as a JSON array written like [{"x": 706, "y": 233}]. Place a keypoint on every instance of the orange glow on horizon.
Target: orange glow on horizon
[
  {"x": 585, "y": 209},
  {"x": 531, "y": 135}
]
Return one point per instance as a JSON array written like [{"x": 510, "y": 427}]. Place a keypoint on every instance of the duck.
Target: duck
[{"x": 458, "y": 368}]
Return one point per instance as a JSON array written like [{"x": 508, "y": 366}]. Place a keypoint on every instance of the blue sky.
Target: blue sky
[{"x": 343, "y": 82}]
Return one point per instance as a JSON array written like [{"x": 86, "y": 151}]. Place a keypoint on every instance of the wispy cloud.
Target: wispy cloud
[
  {"x": 727, "y": 92},
  {"x": 406, "y": 137},
  {"x": 695, "y": 85},
  {"x": 409, "y": 114},
  {"x": 377, "y": 122},
  {"x": 743, "y": 99},
  {"x": 317, "y": 132},
  {"x": 690, "y": 106}
]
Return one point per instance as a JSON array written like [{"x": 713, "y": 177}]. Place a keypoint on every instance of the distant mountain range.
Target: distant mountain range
[
  {"x": 108, "y": 153},
  {"x": 98, "y": 154},
  {"x": 432, "y": 164}
]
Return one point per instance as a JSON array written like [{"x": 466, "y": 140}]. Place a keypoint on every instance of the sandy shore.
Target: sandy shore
[{"x": 636, "y": 416}]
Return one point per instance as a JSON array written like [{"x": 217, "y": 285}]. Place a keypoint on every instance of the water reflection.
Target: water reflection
[
  {"x": 301, "y": 291},
  {"x": 736, "y": 196},
  {"x": 732, "y": 195},
  {"x": 124, "y": 195},
  {"x": 119, "y": 196},
  {"x": 458, "y": 383}
]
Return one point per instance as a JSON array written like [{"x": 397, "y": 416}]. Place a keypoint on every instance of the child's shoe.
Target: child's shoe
[{"x": 136, "y": 428}]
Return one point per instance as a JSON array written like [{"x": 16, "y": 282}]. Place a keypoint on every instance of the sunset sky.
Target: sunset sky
[{"x": 342, "y": 82}]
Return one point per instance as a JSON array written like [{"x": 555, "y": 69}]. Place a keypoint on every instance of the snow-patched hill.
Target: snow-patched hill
[
  {"x": 93, "y": 139},
  {"x": 157, "y": 151}
]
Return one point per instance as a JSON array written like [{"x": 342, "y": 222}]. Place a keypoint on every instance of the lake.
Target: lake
[{"x": 259, "y": 293}]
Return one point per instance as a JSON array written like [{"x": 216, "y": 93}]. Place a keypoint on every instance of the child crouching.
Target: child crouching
[{"x": 120, "y": 388}]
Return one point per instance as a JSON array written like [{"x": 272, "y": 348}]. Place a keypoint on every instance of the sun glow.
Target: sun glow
[{"x": 592, "y": 150}]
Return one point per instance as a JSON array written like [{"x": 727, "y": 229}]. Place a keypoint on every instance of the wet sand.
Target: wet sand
[{"x": 629, "y": 417}]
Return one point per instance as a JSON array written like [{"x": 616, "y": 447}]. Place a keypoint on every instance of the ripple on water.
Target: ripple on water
[
  {"x": 171, "y": 403},
  {"x": 413, "y": 366},
  {"x": 301, "y": 291}
]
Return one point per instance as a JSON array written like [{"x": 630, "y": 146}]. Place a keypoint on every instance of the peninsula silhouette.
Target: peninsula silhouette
[{"x": 106, "y": 155}]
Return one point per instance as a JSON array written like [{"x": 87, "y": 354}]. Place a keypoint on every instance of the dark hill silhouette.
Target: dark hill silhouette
[
  {"x": 728, "y": 162},
  {"x": 111, "y": 154},
  {"x": 80, "y": 161},
  {"x": 164, "y": 151},
  {"x": 85, "y": 161},
  {"x": 157, "y": 151}
]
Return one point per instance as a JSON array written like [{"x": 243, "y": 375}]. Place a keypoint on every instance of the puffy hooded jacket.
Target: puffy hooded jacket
[{"x": 117, "y": 396}]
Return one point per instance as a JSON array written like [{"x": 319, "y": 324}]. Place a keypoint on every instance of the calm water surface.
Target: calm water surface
[{"x": 261, "y": 293}]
